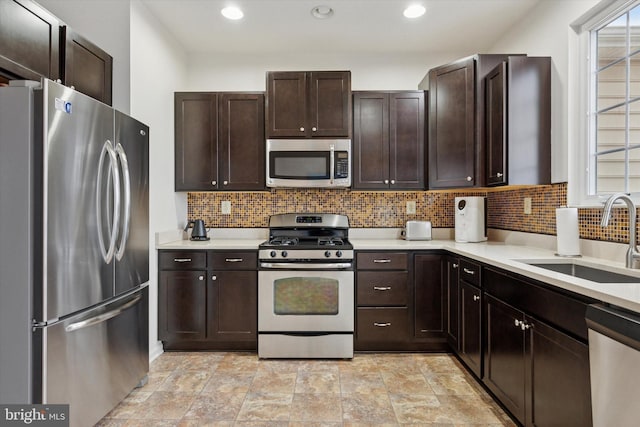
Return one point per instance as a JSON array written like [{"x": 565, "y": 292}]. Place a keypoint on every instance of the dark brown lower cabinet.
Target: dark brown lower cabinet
[
  {"x": 470, "y": 340},
  {"x": 540, "y": 374},
  {"x": 429, "y": 322},
  {"x": 452, "y": 299},
  {"x": 208, "y": 300},
  {"x": 182, "y": 309}
]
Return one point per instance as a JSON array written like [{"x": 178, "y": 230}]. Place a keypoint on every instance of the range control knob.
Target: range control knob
[
  {"x": 338, "y": 254},
  {"x": 284, "y": 254},
  {"x": 273, "y": 254},
  {"x": 327, "y": 254}
]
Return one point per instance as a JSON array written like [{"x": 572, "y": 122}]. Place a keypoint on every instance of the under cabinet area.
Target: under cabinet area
[
  {"x": 207, "y": 300},
  {"x": 308, "y": 104},
  {"x": 219, "y": 141},
  {"x": 388, "y": 140}
]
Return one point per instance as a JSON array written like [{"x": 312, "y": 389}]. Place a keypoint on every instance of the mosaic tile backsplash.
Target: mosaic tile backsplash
[{"x": 388, "y": 209}]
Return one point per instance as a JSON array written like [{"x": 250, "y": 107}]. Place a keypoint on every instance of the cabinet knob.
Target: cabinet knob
[
  {"x": 214, "y": 277},
  {"x": 301, "y": 129},
  {"x": 200, "y": 277},
  {"x": 499, "y": 174},
  {"x": 476, "y": 297},
  {"x": 314, "y": 129},
  {"x": 393, "y": 181},
  {"x": 454, "y": 265},
  {"x": 225, "y": 182},
  {"x": 469, "y": 179},
  {"x": 516, "y": 322},
  {"x": 386, "y": 181},
  {"x": 214, "y": 182},
  {"x": 381, "y": 325}
]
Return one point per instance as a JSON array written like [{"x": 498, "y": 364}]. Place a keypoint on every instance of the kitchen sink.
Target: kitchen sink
[{"x": 582, "y": 271}]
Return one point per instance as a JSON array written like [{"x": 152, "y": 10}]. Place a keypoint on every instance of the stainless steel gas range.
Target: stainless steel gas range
[{"x": 306, "y": 288}]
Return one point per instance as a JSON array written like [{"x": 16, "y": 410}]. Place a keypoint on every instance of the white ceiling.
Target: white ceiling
[{"x": 357, "y": 26}]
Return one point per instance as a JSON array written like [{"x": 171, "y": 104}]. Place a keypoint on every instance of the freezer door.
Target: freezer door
[
  {"x": 79, "y": 185},
  {"x": 132, "y": 250},
  {"x": 93, "y": 360}
]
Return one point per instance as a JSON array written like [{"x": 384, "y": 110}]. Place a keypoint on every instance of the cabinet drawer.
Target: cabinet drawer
[
  {"x": 382, "y": 260},
  {"x": 233, "y": 260},
  {"x": 382, "y": 288},
  {"x": 382, "y": 324},
  {"x": 182, "y": 260},
  {"x": 470, "y": 272}
]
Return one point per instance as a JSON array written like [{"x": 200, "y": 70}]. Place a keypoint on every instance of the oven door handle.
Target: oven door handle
[{"x": 305, "y": 266}]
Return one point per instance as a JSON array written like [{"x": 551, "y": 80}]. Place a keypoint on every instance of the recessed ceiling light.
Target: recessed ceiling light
[
  {"x": 322, "y": 12},
  {"x": 414, "y": 11},
  {"x": 232, "y": 12}
]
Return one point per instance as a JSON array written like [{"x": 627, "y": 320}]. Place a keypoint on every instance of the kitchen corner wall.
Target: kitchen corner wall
[{"x": 388, "y": 208}]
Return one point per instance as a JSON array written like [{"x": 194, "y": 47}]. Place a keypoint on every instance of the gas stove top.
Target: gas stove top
[{"x": 300, "y": 237}]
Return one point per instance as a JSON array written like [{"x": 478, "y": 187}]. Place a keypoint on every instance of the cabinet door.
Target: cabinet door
[
  {"x": 560, "y": 386},
  {"x": 196, "y": 156},
  {"x": 371, "y": 140},
  {"x": 406, "y": 140},
  {"x": 470, "y": 327},
  {"x": 234, "y": 306},
  {"x": 241, "y": 141},
  {"x": 182, "y": 310},
  {"x": 286, "y": 105},
  {"x": 428, "y": 304},
  {"x": 29, "y": 41},
  {"x": 453, "y": 301},
  {"x": 86, "y": 67},
  {"x": 496, "y": 123},
  {"x": 452, "y": 142},
  {"x": 505, "y": 361},
  {"x": 330, "y": 104}
]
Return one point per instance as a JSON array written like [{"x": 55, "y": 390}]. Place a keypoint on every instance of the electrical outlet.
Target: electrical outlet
[
  {"x": 527, "y": 205},
  {"x": 411, "y": 207},
  {"x": 225, "y": 207}
]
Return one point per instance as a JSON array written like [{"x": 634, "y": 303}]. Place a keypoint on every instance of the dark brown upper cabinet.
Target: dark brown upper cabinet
[
  {"x": 219, "y": 141},
  {"x": 86, "y": 67},
  {"x": 388, "y": 140},
  {"x": 29, "y": 41},
  {"x": 308, "y": 104},
  {"x": 456, "y": 136},
  {"x": 518, "y": 121}
]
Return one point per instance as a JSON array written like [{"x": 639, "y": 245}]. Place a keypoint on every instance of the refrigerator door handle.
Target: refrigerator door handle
[
  {"x": 102, "y": 317},
  {"x": 107, "y": 253},
  {"x": 126, "y": 222}
]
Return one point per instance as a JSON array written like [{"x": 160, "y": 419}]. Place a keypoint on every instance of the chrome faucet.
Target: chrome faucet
[{"x": 632, "y": 253}]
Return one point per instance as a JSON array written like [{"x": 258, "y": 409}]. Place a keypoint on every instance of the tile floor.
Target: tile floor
[{"x": 224, "y": 389}]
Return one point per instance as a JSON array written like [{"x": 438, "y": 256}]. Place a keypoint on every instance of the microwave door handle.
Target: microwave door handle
[{"x": 332, "y": 160}]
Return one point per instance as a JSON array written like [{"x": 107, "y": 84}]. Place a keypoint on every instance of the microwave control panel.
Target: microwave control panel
[{"x": 342, "y": 164}]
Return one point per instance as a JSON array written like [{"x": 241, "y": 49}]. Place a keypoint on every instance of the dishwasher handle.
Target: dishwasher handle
[{"x": 616, "y": 323}]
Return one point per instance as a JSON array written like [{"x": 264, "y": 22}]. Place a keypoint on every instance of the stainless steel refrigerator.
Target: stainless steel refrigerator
[{"x": 74, "y": 250}]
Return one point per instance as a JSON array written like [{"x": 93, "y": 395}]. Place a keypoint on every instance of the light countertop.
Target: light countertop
[{"x": 495, "y": 253}]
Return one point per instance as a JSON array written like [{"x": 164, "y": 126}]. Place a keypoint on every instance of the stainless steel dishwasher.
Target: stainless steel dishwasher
[{"x": 614, "y": 356}]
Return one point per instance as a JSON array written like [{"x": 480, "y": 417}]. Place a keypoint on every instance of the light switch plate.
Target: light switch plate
[
  {"x": 225, "y": 207},
  {"x": 411, "y": 207},
  {"x": 527, "y": 205}
]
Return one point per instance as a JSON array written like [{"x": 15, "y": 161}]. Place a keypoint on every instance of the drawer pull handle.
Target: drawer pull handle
[
  {"x": 476, "y": 298},
  {"x": 381, "y": 261},
  {"x": 382, "y": 288},
  {"x": 182, "y": 260},
  {"x": 471, "y": 272},
  {"x": 381, "y": 325},
  {"x": 233, "y": 259}
]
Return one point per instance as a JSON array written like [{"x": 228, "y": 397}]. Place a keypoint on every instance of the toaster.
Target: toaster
[{"x": 417, "y": 230}]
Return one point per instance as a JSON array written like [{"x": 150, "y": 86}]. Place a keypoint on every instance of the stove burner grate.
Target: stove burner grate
[
  {"x": 330, "y": 241},
  {"x": 284, "y": 241}
]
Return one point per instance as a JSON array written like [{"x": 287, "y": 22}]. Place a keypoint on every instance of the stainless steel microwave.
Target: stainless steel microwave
[{"x": 312, "y": 163}]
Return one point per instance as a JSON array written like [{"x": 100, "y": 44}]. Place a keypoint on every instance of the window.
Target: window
[{"x": 609, "y": 143}]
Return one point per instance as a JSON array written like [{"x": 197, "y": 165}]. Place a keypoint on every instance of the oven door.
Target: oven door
[{"x": 305, "y": 301}]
